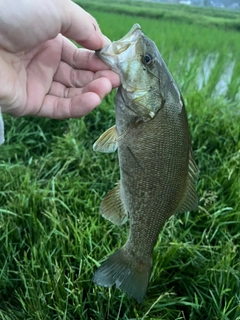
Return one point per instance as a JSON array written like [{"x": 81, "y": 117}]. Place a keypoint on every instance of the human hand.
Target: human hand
[{"x": 41, "y": 72}]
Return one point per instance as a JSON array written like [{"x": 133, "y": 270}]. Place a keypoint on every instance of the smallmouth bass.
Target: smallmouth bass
[{"x": 157, "y": 169}]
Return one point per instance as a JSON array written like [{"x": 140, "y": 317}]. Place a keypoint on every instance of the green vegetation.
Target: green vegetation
[
  {"x": 177, "y": 13},
  {"x": 52, "y": 237}
]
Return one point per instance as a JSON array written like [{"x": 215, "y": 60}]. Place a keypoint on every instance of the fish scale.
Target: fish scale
[
  {"x": 157, "y": 170},
  {"x": 154, "y": 171}
]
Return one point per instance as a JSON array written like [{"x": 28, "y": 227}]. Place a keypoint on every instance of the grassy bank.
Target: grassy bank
[{"x": 52, "y": 237}]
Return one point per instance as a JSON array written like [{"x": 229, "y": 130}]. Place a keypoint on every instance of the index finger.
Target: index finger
[{"x": 81, "y": 58}]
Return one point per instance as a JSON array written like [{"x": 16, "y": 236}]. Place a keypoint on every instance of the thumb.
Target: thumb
[{"x": 81, "y": 27}]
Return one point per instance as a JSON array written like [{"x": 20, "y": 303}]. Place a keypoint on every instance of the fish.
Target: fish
[{"x": 158, "y": 173}]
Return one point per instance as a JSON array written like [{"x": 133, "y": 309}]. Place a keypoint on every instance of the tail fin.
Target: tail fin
[{"x": 129, "y": 274}]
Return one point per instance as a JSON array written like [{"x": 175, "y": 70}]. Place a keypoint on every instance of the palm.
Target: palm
[
  {"x": 34, "y": 74},
  {"x": 54, "y": 80}
]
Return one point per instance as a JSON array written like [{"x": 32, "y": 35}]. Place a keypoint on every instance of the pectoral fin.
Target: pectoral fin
[
  {"x": 190, "y": 200},
  {"x": 107, "y": 142},
  {"x": 112, "y": 207}
]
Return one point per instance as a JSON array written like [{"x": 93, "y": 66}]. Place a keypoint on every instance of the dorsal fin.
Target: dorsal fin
[
  {"x": 190, "y": 199},
  {"x": 112, "y": 207}
]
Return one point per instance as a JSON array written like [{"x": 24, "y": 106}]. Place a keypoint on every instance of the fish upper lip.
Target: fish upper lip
[
  {"x": 119, "y": 46},
  {"x": 133, "y": 30}
]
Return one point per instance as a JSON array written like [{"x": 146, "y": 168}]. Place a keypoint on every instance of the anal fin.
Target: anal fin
[{"x": 112, "y": 207}]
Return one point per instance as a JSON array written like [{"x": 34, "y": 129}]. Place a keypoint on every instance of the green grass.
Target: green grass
[{"x": 52, "y": 237}]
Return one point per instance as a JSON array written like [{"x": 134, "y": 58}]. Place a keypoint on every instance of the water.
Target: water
[
  {"x": 204, "y": 72},
  {"x": 225, "y": 80},
  {"x": 205, "y": 69}
]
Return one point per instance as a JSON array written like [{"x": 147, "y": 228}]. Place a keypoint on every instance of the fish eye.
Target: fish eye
[{"x": 147, "y": 59}]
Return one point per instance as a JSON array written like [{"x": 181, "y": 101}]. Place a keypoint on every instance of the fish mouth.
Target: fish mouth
[{"x": 110, "y": 54}]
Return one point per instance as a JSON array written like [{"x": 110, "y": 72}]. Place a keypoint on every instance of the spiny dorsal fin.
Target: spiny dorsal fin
[
  {"x": 190, "y": 199},
  {"x": 112, "y": 207},
  {"x": 107, "y": 142}
]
